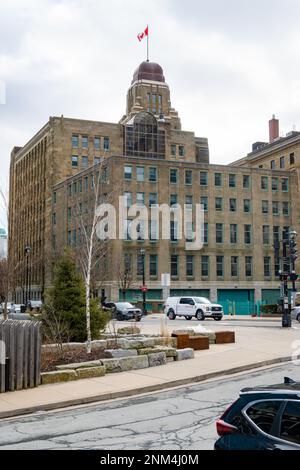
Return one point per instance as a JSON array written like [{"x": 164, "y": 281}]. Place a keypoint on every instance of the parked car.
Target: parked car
[
  {"x": 34, "y": 304},
  {"x": 126, "y": 311},
  {"x": 263, "y": 418},
  {"x": 190, "y": 307},
  {"x": 109, "y": 306},
  {"x": 296, "y": 314},
  {"x": 11, "y": 308}
]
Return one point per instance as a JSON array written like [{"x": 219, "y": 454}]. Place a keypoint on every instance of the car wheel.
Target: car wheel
[
  {"x": 298, "y": 317},
  {"x": 171, "y": 315},
  {"x": 137, "y": 318},
  {"x": 217, "y": 318},
  {"x": 188, "y": 318},
  {"x": 120, "y": 316},
  {"x": 200, "y": 315}
]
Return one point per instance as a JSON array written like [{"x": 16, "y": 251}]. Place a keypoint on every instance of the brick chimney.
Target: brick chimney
[{"x": 273, "y": 128}]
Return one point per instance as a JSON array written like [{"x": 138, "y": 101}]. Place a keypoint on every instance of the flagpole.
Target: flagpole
[{"x": 148, "y": 44}]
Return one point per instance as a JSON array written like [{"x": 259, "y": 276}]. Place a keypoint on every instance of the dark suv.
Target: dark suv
[{"x": 263, "y": 418}]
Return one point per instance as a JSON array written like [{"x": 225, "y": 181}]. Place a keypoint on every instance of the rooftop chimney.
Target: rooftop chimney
[{"x": 273, "y": 128}]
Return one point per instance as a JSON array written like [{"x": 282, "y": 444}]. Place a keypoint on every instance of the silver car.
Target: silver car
[{"x": 296, "y": 314}]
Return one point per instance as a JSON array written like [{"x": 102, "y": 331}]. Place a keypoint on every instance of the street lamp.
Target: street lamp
[
  {"x": 27, "y": 288},
  {"x": 142, "y": 253}
]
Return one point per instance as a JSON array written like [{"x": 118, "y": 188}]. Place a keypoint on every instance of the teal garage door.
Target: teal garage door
[
  {"x": 134, "y": 295},
  {"x": 190, "y": 292},
  {"x": 237, "y": 301},
  {"x": 271, "y": 296}
]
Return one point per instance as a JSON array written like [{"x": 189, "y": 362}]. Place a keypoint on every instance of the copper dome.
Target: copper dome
[{"x": 149, "y": 71}]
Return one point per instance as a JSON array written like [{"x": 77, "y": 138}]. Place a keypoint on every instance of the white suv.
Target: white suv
[{"x": 189, "y": 307}]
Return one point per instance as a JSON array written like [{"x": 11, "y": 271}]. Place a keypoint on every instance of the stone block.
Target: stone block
[
  {"x": 165, "y": 341},
  {"x": 58, "y": 376},
  {"x": 111, "y": 365},
  {"x": 90, "y": 372},
  {"x": 199, "y": 343},
  {"x": 116, "y": 353},
  {"x": 128, "y": 330},
  {"x": 134, "y": 363},
  {"x": 137, "y": 343},
  {"x": 99, "y": 344},
  {"x": 225, "y": 337},
  {"x": 183, "y": 354},
  {"x": 170, "y": 352},
  {"x": 157, "y": 359},
  {"x": 79, "y": 365}
]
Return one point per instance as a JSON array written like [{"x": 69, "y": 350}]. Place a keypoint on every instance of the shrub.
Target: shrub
[{"x": 271, "y": 308}]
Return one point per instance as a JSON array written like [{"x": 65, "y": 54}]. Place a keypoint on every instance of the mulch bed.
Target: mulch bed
[{"x": 58, "y": 358}]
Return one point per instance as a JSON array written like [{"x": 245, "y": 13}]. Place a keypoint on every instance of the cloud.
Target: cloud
[{"x": 230, "y": 65}]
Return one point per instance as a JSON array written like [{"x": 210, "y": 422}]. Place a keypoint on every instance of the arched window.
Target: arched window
[{"x": 142, "y": 137}]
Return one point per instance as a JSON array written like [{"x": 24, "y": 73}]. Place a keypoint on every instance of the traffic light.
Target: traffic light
[{"x": 293, "y": 246}]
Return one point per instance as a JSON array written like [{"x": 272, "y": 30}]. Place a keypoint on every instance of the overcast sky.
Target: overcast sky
[{"x": 230, "y": 65}]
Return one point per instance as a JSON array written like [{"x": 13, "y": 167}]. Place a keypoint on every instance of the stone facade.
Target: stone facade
[{"x": 147, "y": 156}]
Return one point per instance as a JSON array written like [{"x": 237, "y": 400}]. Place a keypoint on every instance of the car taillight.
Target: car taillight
[{"x": 224, "y": 428}]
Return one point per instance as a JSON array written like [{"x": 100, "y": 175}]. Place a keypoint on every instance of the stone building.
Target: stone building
[{"x": 149, "y": 159}]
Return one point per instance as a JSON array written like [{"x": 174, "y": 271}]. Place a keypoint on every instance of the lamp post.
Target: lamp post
[
  {"x": 27, "y": 287},
  {"x": 293, "y": 257},
  {"x": 142, "y": 253}
]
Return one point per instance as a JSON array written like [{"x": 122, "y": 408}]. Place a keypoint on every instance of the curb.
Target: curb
[{"x": 141, "y": 390}]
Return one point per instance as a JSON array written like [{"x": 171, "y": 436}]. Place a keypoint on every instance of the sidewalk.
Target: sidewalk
[{"x": 253, "y": 349}]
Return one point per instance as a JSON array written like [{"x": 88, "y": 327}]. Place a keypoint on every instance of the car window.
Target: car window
[
  {"x": 186, "y": 301},
  {"x": 263, "y": 414},
  {"x": 290, "y": 422},
  {"x": 124, "y": 305},
  {"x": 202, "y": 300}
]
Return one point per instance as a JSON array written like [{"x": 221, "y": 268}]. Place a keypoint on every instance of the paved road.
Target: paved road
[{"x": 178, "y": 419}]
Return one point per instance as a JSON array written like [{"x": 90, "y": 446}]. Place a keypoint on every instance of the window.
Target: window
[
  {"x": 232, "y": 181},
  {"x": 174, "y": 230},
  {"x": 153, "y": 265},
  {"x": 204, "y": 266},
  {"x": 106, "y": 143},
  {"x": 140, "y": 199},
  {"x": 140, "y": 229},
  {"x": 174, "y": 265},
  {"x": 267, "y": 268},
  {"x": 233, "y": 234},
  {"x": 290, "y": 422},
  {"x": 86, "y": 183},
  {"x": 282, "y": 162},
  {"x": 285, "y": 184},
  {"x": 69, "y": 237},
  {"x": 188, "y": 177},
  {"x": 286, "y": 208},
  {"x": 173, "y": 176},
  {"x": 54, "y": 197},
  {"x": 140, "y": 173},
  {"x": 220, "y": 266},
  {"x": 173, "y": 199},
  {"x": 219, "y": 233},
  {"x": 181, "y": 150},
  {"x": 69, "y": 213},
  {"x": 274, "y": 184},
  {"x": 128, "y": 173},
  {"x": 84, "y": 141},
  {"x": 248, "y": 266},
  {"x": 97, "y": 160},
  {"x": 173, "y": 150},
  {"x": 74, "y": 188},
  {"x": 189, "y": 265},
  {"x": 247, "y": 205},
  {"x": 264, "y": 183},
  {"x": 275, "y": 207},
  {"x": 203, "y": 178},
  {"x": 218, "y": 179},
  {"x": 70, "y": 190},
  {"x": 97, "y": 143},
  {"x": 75, "y": 140},
  {"x": 204, "y": 202},
  {"x": 189, "y": 228},
  {"x": 153, "y": 103},
  {"x": 84, "y": 162},
  {"x": 153, "y": 175},
  {"x": 272, "y": 164},
  {"x": 247, "y": 234},
  {"x": 266, "y": 234},
  {"x": 234, "y": 266},
  {"x": 127, "y": 229},
  {"x": 292, "y": 159},
  {"x": 205, "y": 233},
  {"x": 246, "y": 181},
  {"x": 74, "y": 161},
  {"x": 276, "y": 234},
  {"x": 263, "y": 414},
  {"x": 140, "y": 264},
  {"x": 232, "y": 205},
  {"x": 127, "y": 199},
  {"x": 265, "y": 207},
  {"x": 153, "y": 230},
  {"x": 153, "y": 199},
  {"x": 219, "y": 204},
  {"x": 189, "y": 201},
  {"x": 54, "y": 218}
]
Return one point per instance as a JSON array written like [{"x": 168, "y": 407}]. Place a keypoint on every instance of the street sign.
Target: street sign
[{"x": 144, "y": 289}]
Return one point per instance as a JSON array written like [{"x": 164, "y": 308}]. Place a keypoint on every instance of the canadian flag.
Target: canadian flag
[{"x": 143, "y": 35}]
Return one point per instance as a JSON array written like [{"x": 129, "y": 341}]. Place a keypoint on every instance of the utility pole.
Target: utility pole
[
  {"x": 287, "y": 272},
  {"x": 293, "y": 256}
]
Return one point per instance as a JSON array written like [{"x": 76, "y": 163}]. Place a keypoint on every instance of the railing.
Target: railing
[{"x": 20, "y": 355}]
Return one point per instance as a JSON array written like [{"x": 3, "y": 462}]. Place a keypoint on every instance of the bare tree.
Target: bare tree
[
  {"x": 124, "y": 274},
  {"x": 91, "y": 252}
]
